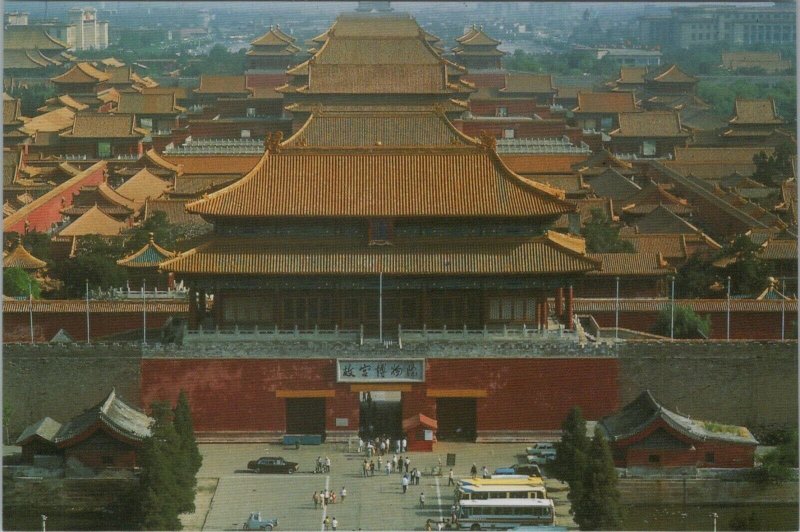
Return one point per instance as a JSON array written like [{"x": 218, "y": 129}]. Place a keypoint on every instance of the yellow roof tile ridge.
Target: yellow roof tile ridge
[{"x": 198, "y": 204}]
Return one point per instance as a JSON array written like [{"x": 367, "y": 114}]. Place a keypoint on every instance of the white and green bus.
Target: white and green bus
[{"x": 503, "y": 514}]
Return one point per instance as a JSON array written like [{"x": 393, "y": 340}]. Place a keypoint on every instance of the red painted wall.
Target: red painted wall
[
  {"x": 232, "y": 130},
  {"x": 744, "y": 325},
  {"x": 266, "y": 80},
  {"x": 239, "y": 395},
  {"x": 44, "y": 216},
  {"x": 725, "y": 454},
  {"x": 16, "y": 326},
  {"x": 523, "y": 394},
  {"x": 514, "y": 107}
]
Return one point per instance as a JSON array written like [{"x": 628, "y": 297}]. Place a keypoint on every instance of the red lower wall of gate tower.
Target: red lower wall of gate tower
[{"x": 248, "y": 395}]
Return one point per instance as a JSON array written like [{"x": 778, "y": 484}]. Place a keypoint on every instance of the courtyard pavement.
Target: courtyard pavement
[{"x": 227, "y": 493}]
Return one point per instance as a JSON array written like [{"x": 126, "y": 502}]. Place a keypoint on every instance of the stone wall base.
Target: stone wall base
[{"x": 517, "y": 436}]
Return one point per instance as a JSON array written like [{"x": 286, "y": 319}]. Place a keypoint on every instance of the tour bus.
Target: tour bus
[
  {"x": 500, "y": 488},
  {"x": 505, "y": 513}
]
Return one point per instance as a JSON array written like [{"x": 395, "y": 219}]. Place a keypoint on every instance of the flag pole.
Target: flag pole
[
  {"x": 380, "y": 306},
  {"x": 144, "y": 313}
]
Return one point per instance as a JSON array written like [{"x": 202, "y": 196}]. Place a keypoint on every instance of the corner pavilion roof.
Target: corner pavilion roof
[
  {"x": 548, "y": 254},
  {"x": 148, "y": 256},
  {"x": 82, "y": 73},
  {"x": 19, "y": 257},
  {"x": 383, "y": 181}
]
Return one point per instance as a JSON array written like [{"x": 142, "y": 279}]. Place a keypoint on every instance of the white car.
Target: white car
[{"x": 538, "y": 448}]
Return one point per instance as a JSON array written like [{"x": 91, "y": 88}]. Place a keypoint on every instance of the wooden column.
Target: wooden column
[
  {"x": 570, "y": 323},
  {"x": 560, "y": 303}
]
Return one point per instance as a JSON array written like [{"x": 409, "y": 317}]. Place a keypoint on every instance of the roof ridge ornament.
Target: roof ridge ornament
[
  {"x": 274, "y": 140},
  {"x": 487, "y": 140}
]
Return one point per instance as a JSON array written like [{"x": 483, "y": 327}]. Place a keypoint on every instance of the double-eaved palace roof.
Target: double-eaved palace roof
[
  {"x": 376, "y": 55},
  {"x": 455, "y": 256},
  {"x": 457, "y": 181}
]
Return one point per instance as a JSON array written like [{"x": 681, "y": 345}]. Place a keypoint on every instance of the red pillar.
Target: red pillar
[
  {"x": 569, "y": 308},
  {"x": 560, "y": 302}
]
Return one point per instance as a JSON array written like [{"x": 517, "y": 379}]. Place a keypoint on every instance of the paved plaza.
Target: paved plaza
[{"x": 228, "y": 492}]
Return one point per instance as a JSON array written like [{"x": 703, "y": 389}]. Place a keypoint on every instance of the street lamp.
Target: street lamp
[
  {"x": 616, "y": 316},
  {"x": 714, "y": 516}
]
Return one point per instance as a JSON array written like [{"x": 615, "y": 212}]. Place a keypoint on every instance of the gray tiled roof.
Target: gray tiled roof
[
  {"x": 46, "y": 428},
  {"x": 644, "y": 410},
  {"x": 114, "y": 414}
]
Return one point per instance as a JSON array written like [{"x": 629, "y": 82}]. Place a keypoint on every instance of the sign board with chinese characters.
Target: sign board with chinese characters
[{"x": 380, "y": 370}]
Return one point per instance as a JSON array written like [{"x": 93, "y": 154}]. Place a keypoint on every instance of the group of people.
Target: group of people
[
  {"x": 323, "y": 465},
  {"x": 395, "y": 464},
  {"x": 382, "y": 446},
  {"x": 411, "y": 478},
  {"x": 329, "y": 524},
  {"x": 474, "y": 472},
  {"x": 326, "y": 497}
]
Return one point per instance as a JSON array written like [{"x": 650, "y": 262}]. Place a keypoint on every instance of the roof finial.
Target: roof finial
[{"x": 151, "y": 237}]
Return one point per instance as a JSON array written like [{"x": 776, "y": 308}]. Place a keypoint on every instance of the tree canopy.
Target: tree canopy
[
  {"x": 603, "y": 237},
  {"x": 571, "y": 453},
  {"x": 687, "y": 324},
  {"x": 17, "y": 282},
  {"x": 598, "y": 505}
]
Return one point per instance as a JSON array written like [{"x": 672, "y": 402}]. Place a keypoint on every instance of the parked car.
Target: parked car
[
  {"x": 254, "y": 522},
  {"x": 531, "y": 470},
  {"x": 537, "y": 448},
  {"x": 272, "y": 464},
  {"x": 545, "y": 456}
]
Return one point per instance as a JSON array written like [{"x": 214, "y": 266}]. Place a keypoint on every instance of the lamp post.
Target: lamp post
[
  {"x": 144, "y": 313},
  {"x": 672, "y": 313},
  {"x": 783, "y": 310},
  {"x": 616, "y": 313},
  {"x": 87, "y": 312},
  {"x": 44, "y": 526},
  {"x": 728, "y": 314},
  {"x": 714, "y": 517},
  {"x": 30, "y": 307}
]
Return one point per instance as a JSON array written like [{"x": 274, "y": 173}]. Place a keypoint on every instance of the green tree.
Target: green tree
[
  {"x": 17, "y": 282},
  {"x": 602, "y": 237},
  {"x": 687, "y": 324},
  {"x": 749, "y": 274},
  {"x": 771, "y": 170},
  {"x": 598, "y": 507},
  {"x": 571, "y": 453},
  {"x": 777, "y": 465},
  {"x": 695, "y": 278},
  {"x": 188, "y": 448},
  {"x": 160, "y": 494},
  {"x": 95, "y": 260}
]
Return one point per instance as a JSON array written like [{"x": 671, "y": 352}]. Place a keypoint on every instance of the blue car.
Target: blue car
[{"x": 254, "y": 522}]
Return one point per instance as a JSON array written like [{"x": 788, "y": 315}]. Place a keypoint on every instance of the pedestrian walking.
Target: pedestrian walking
[
  {"x": 422, "y": 500},
  {"x": 327, "y": 464},
  {"x": 450, "y": 480},
  {"x": 419, "y": 476},
  {"x": 383, "y": 447},
  {"x": 408, "y": 461},
  {"x": 405, "y": 444},
  {"x": 474, "y": 471},
  {"x": 325, "y": 497},
  {"x": 404, "y": 483},
  {"x": 394, "y": 462},
  {"x": 372, "y": 468},
  {"x": 343, "y": 494},
  {"x": 364, "y": 467},
  {"x": 485, "y": 472},
  {"x": 388, "y": 467},
  {"x": 315, "y": 500},
  {"x": 360, "y": 446},
  {"x": 326, "y": 523},
  {"x": 398, "y": 445},
  {"x": 453, "y": 513},
  {"x": 334, "y": 523}
]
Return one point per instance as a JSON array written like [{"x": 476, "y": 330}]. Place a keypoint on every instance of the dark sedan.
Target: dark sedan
[{"x": 272, "y": 464}]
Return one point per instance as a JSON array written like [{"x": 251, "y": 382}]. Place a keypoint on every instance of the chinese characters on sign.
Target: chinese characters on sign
[{"x": 380, "y": 370}]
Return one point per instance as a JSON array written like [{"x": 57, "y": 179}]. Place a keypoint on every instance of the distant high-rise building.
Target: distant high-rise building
[
  {"x": 90, "y": 34},
  {"x": 701, "y": 25},
  {"x": 17, "y": 19}
]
